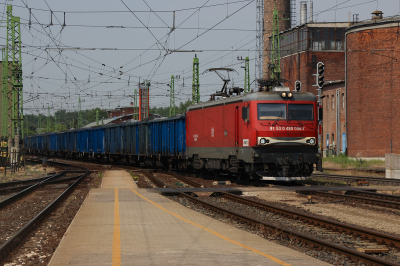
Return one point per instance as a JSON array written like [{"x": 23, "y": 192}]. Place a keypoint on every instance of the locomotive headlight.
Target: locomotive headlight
[
  {"x": 312, "y": 141},
  {"x": 283, "y": 94},
  {"x": 263, "y": 141},
  {"x": 290, "y": 94}
]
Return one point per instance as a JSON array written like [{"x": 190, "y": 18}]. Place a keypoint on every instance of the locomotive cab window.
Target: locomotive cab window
[
  {"x": 271, "y": 111},
  {"x": 301, "y": 112}
]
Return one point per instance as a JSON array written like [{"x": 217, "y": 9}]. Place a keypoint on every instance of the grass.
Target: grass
[
  {"x": 345, "y": 162},
  {"x": 135, "y": 178},
  {"x": 101, "y": 177}
]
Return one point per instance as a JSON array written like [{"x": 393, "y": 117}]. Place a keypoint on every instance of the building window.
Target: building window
[
  {"x": 333, "y": 103},
  {"x": 327, "y": 102},
  {"x": 326, "y": 38},
  {"x": 343, "y": 99}
]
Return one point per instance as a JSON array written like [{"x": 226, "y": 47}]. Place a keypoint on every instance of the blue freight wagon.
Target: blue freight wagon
[
  {"x": 167, "y": 136},
  {"x": 152, "y": 142}
]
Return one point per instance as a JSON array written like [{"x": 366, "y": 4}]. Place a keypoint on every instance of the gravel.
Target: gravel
[
  {"x": 376, "y": 218},
  {"x": 43, "y": 241}
]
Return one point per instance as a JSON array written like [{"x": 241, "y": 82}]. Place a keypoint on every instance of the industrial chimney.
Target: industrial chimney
[
  {"x": 303, "y": 12},
  {"x": 311, "y": 11}
]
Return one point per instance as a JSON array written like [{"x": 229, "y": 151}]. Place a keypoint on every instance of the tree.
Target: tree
[
  {"x": 164, "y": 111},
  {"x": 65, "y": 120}
]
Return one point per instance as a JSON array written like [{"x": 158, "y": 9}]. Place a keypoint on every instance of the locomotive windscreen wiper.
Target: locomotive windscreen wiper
[{"x": 293, "y": 116}]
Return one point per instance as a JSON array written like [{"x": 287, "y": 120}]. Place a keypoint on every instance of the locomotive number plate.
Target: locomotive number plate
[{"x": 279, "y": 128}]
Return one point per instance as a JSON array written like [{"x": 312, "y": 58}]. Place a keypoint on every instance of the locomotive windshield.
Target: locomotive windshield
[
  {"x": 271, "y": 111},
  {"x": 277, "y": 111},
  {"x": 301, "y": 112}
]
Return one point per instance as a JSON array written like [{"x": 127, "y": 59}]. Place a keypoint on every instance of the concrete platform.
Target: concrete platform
[{"x": 120, "y": 224}]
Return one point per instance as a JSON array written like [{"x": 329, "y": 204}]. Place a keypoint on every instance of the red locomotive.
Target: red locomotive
[{"x": 268, "y": 135}]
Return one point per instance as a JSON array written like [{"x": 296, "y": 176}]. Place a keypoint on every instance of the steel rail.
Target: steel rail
[
  {"x": 154, "y": 179},
  {"x": 384, "y": 239},
  {"x": 377, "y": 202},
  {"x": 374, "y": 195},
  {"x": 352, "y": 177},
  {"x": 361, "y": 169},
  {"x": 18, "y": 237},
  {"x": 16, "y": 189},
  {"x": 185, "y": 179},
  {"x": 306, "y": 240},
  {"x": 24, "y": 192}
]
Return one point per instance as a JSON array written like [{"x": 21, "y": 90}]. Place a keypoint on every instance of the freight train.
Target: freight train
[{"x": 266, "y": 135}]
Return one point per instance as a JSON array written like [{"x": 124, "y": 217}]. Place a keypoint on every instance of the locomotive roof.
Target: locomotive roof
[{"x": 255, "y": 96}]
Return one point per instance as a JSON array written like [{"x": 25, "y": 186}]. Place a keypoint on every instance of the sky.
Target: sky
[{"x": 106, "y": 47}]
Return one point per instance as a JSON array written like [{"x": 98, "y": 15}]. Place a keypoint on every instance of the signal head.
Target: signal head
[
  {"x": 320, "y": 77},
  {"x": 320, "y": 68},
  {"x": 321, "y": 81},
  {"x": 297, "y": 85}
]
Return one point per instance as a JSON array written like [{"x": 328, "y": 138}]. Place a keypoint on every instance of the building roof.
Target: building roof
[
  {"x": 317, "y": 25},
  {"x": 120, "y": 108},
  {"x": 106, "y": 121},
  {"x": 373, "y": 22}
]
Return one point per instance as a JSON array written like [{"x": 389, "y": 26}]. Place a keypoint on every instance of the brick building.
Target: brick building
[
  {"x": 304, "y": 46},
  {"x": 129, "y": 110},
  {"x": 372, "y": 85},
  {"x": 334, "y": 118}
]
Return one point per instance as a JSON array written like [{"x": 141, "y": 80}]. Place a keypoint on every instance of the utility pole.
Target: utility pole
[
  {"x": 246, "y": 74},
  {"x": 97, "y": 116},
  {"x": 196, "y": 82},
  {"x": 135, "y": 105},
  {"x": 4, "y": 94},
  {"x": 172, "y": 97},
  {"x": 320, "y": 80},
  {"x": 48, "y": 118},
  {"x": 39, "y": 122},
  {"x": 79, "y": 113},
  {"x": 144, "y": 94},
  {"x": 12, "y": 118},
  {"x": 55, "y": 121},
  {"x": 259, "y": 38}
]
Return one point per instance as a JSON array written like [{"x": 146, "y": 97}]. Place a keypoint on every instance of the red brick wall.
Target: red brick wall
[
  {"x": 334, "y": 68},
  {"x": 121, "y": 111},
  {"x": 283, "y": 7},
  {"x": 373, "y": 78},
  {"x": 329, "y": 114}
]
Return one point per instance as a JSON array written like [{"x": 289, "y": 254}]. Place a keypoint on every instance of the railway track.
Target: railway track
[
  {"x": 377, "y": 199},
  {"x": 380, "y": 241},
  {"x": 352, "y": 178},
  {"x": 36, "y": 202}
]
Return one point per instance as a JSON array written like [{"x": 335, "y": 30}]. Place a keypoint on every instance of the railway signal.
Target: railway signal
[
  {"x": 320, "y": 75},
  {"x": 297, "y": 85}
]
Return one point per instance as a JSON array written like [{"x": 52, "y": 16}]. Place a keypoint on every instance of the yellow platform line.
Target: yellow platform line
[
  {"x": 213, "y": 232},
  {"x": 116, "y": 254}
]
